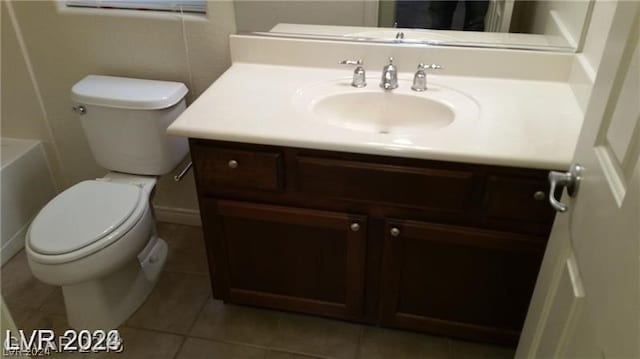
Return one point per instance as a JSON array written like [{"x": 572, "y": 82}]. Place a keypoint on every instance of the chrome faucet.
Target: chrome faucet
[
  {"x": 389, "y": 76},
  {"x": 420, "y": 78},
  {"x": 359, "y": 75}
]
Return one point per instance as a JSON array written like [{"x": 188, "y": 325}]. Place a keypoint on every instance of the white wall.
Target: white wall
[
  {"x": 23, "y": 114},
  {"x": 65, "y": 44}
]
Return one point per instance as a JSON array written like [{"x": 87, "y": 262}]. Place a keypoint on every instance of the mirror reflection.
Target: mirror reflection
[
  {"x": 439, "y": 15},
  {"x": 537, "y": 24}
]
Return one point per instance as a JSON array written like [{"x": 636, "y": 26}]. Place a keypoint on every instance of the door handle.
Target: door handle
[{"x": 569, "y": 180}]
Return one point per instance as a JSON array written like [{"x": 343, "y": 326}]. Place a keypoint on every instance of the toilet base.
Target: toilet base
[{"x": 107, "y": 302}]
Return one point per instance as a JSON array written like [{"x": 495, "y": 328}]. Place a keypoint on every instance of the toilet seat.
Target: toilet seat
[{"x": 84, "y": 219}]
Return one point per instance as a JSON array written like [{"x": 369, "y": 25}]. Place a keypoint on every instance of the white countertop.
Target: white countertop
[{"x": 522, "y": 123}]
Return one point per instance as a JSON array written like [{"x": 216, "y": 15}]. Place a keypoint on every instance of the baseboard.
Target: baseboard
[{"x": 189, "y": 217}]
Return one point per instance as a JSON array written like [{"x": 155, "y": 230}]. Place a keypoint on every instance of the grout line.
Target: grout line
[
  {"x": 289, "y": 351},
  {"x": 197, "y": 316},
  {"x": 232, "y": 342},
  {"x": 184, "y": 340},
  {"x": 160, "y": 331},
  {"x": 307, "y": 355},
  {"x": 359, "y": 346},
  {"x": 281, "y": 316}
]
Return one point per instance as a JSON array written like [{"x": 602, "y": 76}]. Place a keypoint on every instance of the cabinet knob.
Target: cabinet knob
[
  {"x": 539, "y": 195},
  {"x": 394, "y": 232},
  {"x": 355, "y": 227},
  {"x": 233, "y": 164}
]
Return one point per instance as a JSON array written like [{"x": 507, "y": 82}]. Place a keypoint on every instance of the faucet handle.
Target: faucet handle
[
  {"x": 359, "y": 75},
  {"x": 420, "y": 78},
  {"x": 351, "y": 62},
  {"x": 430, "y": 67}
]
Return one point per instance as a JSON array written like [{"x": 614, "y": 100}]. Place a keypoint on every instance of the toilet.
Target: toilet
[{"x": 97, "y": 239}]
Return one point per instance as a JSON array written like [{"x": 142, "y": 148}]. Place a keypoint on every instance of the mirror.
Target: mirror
[{"x": 554, "y": 25}]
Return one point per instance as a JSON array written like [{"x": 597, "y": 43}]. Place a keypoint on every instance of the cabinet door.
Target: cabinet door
[
  {"x": 458, "y": 281},
  {"x": 291, "y": 258}
]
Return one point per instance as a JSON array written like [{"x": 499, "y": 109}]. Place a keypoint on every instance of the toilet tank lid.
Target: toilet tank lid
[{"x": 128, "y": 93}]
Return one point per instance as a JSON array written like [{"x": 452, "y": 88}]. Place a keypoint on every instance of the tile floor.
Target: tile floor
[{"x": 181, "y": 320}]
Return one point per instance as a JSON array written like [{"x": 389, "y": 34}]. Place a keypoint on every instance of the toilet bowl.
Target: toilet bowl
[{"x": 97, "y": 239}]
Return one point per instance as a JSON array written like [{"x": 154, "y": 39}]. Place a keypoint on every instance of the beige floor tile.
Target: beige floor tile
[
  {"x": 187, "y": 251},
  {"x": 19, "y": 314},
  {"x": 28, "y": 320},
  {"x": 385, "y": 343},
  {"x": 54, "y": 303},
  {"x": 234, "y": 323},
  {"x": 174, "y": 303},
  {"x": 194, "y": 348},
  {"x": 69, "y": 355},
  {"x": 317, "y": 336},
  {"x": 35, "y": 319},
  {"x": 20, "y": 287},
  {"x": 140, "y": 343},
  {"x": 468, "y": 350}
]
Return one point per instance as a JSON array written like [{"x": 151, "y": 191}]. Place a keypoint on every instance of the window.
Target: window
[{"x": 158, "y": 5}]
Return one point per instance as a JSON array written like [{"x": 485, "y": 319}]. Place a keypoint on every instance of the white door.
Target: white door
[{"x": 587, "y": 300}]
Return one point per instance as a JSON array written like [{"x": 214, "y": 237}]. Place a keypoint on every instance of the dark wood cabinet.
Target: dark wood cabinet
[
  {"x": 290, "y": 258},
  {"x": 445, "y": 248},
  {"x": 436, "y": 189},
  {"x": 457, "y": 281},
  {"x": 239, "y": 169}
]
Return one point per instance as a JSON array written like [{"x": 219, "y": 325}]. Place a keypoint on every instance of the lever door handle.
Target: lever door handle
[{"x": 569, "y": 180}]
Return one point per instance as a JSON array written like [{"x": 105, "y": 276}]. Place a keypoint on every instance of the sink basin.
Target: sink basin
[
  {"x": 383, "y": 112},
  {"x": 375, "y": 111}
]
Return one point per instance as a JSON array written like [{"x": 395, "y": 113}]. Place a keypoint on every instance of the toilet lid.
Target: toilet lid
[{"x": 81, "y": 215}]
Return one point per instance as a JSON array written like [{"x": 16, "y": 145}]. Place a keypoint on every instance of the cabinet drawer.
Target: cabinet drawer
[
  {"x": 428, "y": 188},
  {"x": 518, "y": 200},
  {"x": 220, "y": 169}
]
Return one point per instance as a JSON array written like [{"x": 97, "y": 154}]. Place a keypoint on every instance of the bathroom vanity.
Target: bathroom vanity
[
  {"x": 424, "y": 210},
  {"x": 447, "y": 248}
]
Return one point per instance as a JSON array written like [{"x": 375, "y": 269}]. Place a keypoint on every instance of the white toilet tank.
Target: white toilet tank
[{"x": 126, "y": 119}]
